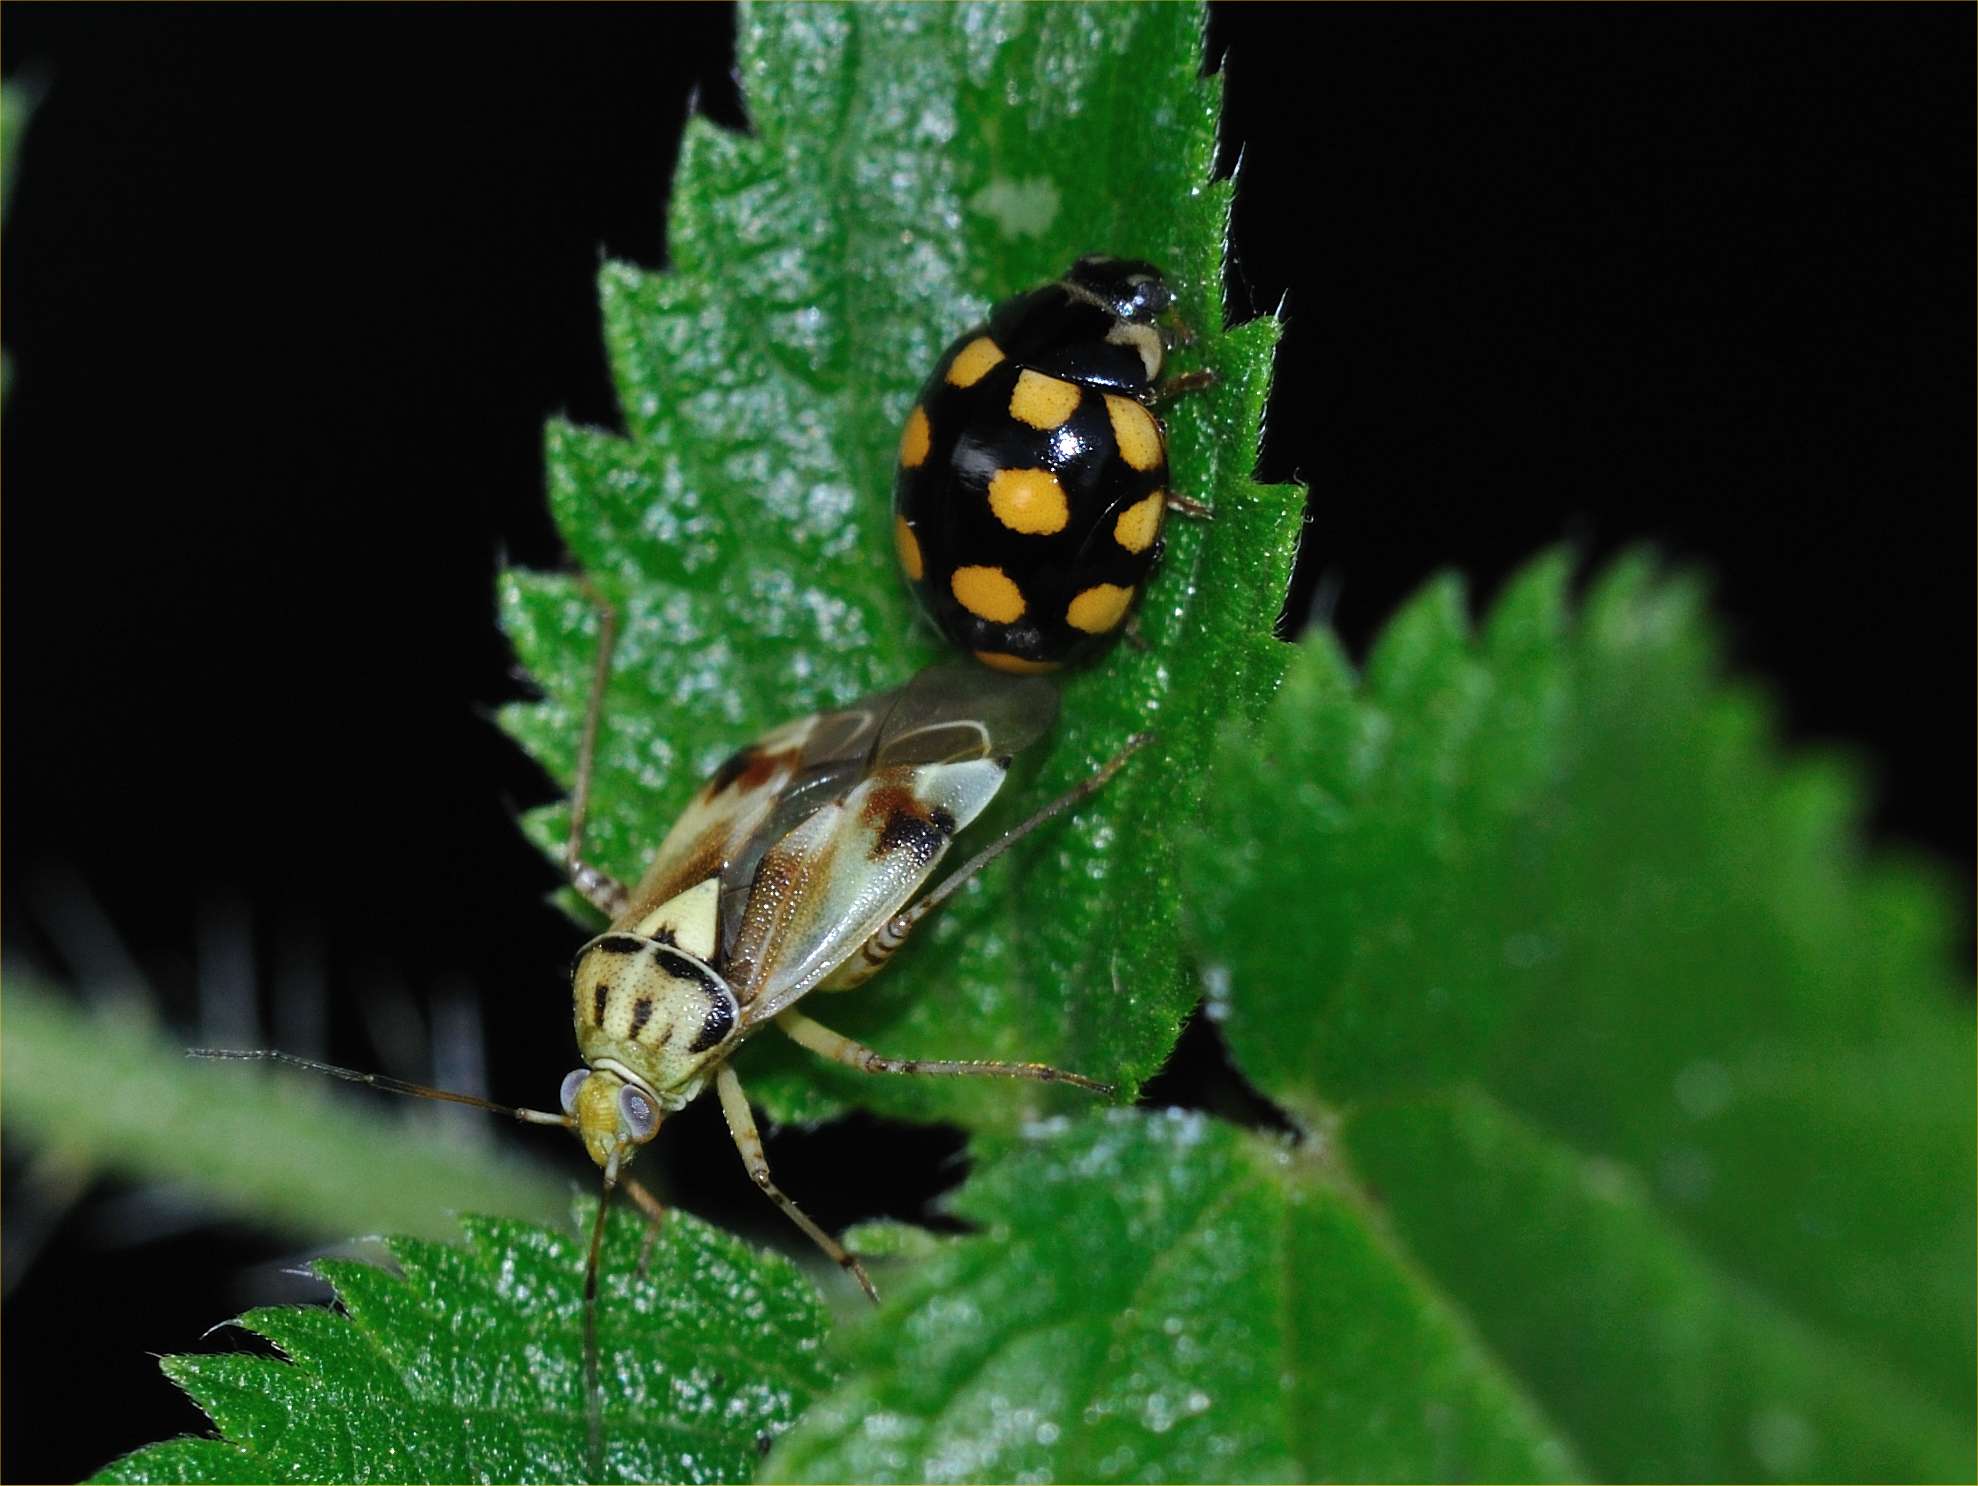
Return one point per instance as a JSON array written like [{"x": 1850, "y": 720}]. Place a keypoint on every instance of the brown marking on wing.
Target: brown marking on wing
[
  {"x": 901, "y": 822},
  {"x": 750, "y": 768},
  {"x": 702, "y": 859}
]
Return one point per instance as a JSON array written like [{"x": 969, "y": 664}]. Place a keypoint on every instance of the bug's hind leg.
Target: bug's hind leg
[
  {"x": 605, "y": 893},
  {"x": 841, "y": 1049},
  {"x": 880, "y": 947},
  {"x": 742, "y": 1130}
]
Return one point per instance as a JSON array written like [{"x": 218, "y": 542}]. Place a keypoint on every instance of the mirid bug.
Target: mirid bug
[
  {"x": 1033, "y": 470},
  {"x": 793, "y": 869}
]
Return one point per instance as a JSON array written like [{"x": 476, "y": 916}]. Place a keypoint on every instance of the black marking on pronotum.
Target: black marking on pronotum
[
  {"x": 667, "y": 937},
  {"x": 621, "y": 944},
  {"x": 720, "y": 1021},
  {"x": 641, "y": 1014},
  {"x": 600, "y": 994}
]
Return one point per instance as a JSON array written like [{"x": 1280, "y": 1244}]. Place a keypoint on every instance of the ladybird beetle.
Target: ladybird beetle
[{"x": 1033, "y": 472}]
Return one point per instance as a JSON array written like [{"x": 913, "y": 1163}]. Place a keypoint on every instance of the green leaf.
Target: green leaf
[
  {"x": 908, "y": 166},
  {"x": 468, "y": 1365},
  {"x": 291, "y": 1150},
  {"x": 1165, "y": 1298},
  {"x": 1651, "y": 1071}
]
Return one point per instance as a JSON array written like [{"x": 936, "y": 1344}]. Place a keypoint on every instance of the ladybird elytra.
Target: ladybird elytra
[
  {"x": 1033, "y": 476},
  {"x": 1135, "y": 431},
  {"x": 1041, "y": 401},
  {"x": 1098, "y": 608},
  {"x": 915, "y": 440},
  {"x": 1135, "y": 529},
  {"x": 909, "y": 549},
  {"x": 1029, "y": 501},
  {"x": 988, "y": 594},
  {"x": 973, "y": 362}
]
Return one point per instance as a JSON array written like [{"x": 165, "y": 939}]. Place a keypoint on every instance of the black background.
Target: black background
[{"x": 289, "y": 293}]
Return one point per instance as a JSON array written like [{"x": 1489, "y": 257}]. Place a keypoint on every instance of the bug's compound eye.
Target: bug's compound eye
[
  {"x": 572, "y": 1082},
  {"x": 637, "y": 1115}
]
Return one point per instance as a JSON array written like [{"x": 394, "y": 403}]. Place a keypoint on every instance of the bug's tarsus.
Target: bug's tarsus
[
  {"x": 382, "y": 1081},
  {"x": 748, "y": 1141},
  {"x": 603, "y": 891},
  {"x": 1187, "y": 505}
]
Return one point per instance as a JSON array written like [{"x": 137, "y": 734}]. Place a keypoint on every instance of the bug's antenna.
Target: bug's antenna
[
  {"x": 593, "y": 1389},
  {"x": 379, "y": 1081}
]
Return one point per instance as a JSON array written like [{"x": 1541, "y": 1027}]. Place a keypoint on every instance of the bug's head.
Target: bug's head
[
  {"x": 611, "y": 1114},
  {"x": 1127, "y": 288}
]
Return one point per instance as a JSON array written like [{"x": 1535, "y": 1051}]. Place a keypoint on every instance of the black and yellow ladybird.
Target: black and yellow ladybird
[{"x": 1033, "y": 472}]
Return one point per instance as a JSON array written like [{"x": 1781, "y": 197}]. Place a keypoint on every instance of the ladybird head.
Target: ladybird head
[{"x": 1125, "y": 287}]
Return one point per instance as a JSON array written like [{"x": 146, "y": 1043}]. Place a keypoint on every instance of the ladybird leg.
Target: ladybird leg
[
  {"x": 1187, "y": 505},
  {"x": 742, "y": 1130},
  {"x": 604, "y": 892},
  {"x": 1180, "y": 385},
  {"x": 655, "y": 1212},
  {"x": 880, "y": 947},
  {"x": 840, "y": 1049},
  {"x": 1177, "y": 328}
]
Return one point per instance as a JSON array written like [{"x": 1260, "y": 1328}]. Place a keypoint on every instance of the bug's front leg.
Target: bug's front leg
[
  {"x": 603, "y": 891},
  {"x": 841, "y": 1049},
  {"x": 742, "y": 1130}
]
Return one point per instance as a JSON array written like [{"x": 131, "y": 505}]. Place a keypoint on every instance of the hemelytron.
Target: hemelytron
[{"x": 1033, "y": 470}]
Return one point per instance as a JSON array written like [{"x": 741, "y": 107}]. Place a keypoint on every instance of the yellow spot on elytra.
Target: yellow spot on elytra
[
  {"x": 908, "y": 546},
  {"x": 1041, "y": 401},
  {"x": 1016, "y": 665},
  {"x": 1029, "y": 501},
  {"x": 915, "y": 439},
  {"x": 973, "y": 361},
  {"x": 987, "y": 593},
  {"x": 1135, "y": 431},
  {"x": 1140, "y": 522},
  {"x": 1099, "y": 608}
]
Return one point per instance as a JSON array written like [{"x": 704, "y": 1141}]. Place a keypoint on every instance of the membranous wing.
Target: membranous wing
[{"x": 822, "y": 885}]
